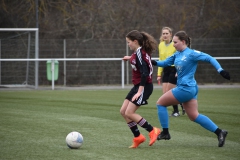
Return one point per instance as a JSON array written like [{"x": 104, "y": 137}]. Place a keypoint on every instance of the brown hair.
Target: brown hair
[
  {"x": 145, "y": 40},
  {"x": 182, "y": 35}
]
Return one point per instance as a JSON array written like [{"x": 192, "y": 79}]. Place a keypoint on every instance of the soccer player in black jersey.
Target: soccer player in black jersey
[{"x": 142, "y": 44}]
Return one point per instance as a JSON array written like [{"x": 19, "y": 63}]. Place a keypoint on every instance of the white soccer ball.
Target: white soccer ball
[{"x": 74, "y": 140}]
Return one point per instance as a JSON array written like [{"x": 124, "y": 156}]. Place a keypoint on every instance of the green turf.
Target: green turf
[{"x": 34, "y": 125}]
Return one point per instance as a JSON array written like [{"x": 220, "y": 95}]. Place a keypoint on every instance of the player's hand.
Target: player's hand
[
  {"x": 225, "y": 74},
  {"x": 126, "y": 58},
  {"x": 135, "y": 97},
  {"x": 159, "y": 79},
  {"x": 154, "y": 62}
]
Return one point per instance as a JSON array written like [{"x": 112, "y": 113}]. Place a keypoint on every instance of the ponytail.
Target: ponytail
[
  {"x": 145, "y": 40},
  {"x": 149, "y": 43},
  {"x": 189, "y": 42}
]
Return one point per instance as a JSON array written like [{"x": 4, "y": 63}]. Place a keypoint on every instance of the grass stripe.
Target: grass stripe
[{"x": 34, "y": 125}]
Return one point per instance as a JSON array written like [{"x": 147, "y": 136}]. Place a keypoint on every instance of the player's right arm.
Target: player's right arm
[
  {"x": 126, "y": 58},
  {"x": 167, "y": 62}
]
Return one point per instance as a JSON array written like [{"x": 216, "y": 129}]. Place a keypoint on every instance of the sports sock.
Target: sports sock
[
  {"x": 143, "y": 123},
  {"x": 217, "y": 131},
  {"x": 133, "y": 126},
  {"x": 206, "y": 123},
  {"x": 165, "y": 131},
  {"x": 181, "y": 105},
  {"x": 175, "y": 108},
  {"x": 163, "y": 116}
]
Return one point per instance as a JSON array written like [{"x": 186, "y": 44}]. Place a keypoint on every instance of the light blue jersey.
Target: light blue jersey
[{"x": 186, "y": 62}]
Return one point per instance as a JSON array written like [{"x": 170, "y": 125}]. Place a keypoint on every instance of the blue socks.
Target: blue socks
[
  {"x": 203, "y": 120},
  {"x": 163, "y": 116},
  {"x": 206, "y": 123}
]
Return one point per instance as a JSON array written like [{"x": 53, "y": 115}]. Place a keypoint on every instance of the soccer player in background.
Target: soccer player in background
[
  {"x": 142, "y": 44},
  {"x": 167, "y": 74},
  {"x": 185, "y": 61}
]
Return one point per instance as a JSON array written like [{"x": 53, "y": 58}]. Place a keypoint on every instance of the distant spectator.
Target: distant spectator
[{"x": 167, "y": 75}]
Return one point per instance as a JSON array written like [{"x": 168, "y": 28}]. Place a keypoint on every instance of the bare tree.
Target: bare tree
[{"x": 99, "y": 19}]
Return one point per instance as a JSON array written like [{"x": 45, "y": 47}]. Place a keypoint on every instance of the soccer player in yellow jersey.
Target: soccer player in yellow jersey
[{"x": 168, "y": 74}]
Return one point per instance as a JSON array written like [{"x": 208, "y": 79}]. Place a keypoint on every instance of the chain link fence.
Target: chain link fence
[{"x": 79, "y": 73}]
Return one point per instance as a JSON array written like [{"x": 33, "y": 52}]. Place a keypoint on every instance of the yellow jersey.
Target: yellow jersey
[{"x": 165, "y": 51}]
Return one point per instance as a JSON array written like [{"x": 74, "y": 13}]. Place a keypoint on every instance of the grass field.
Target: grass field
[{"x": 34, "y": 125}]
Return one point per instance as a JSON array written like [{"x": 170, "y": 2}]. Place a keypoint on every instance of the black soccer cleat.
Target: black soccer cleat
[
  {"x": 174, "y": 114},
  {"x": 221, "y": 138},
  {"x": 183, "y": 111},
  {"x": 162, "y": 136}
]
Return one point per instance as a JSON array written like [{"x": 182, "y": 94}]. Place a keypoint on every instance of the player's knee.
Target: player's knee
[
  {"x": 122, "y": 112},
  {"x": 160, "y": 103},
  {"x": 128, "y": 114},
  {"x": 192, "y": 117}
]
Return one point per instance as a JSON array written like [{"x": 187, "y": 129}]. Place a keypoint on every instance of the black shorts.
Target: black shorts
[
  {"x": 142, "y": 100},
  {"x": 169, "y": 75}
]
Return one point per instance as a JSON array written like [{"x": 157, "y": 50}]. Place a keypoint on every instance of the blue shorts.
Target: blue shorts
[{"x": 186, "y": 93}]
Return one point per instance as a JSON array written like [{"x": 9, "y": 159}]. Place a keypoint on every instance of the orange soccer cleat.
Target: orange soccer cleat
[
  {"x": 137, "y": 141},
  {"x": 153, "y": 135}
]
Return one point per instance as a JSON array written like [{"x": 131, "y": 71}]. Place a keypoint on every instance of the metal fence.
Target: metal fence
[{"x": 79, "y": 73}]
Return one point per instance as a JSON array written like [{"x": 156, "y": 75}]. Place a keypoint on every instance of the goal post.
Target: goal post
[{"x": 19, "y": 43}]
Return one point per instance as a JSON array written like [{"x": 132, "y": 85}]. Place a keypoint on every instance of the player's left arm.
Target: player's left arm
[
  {"x": 144, "y": 72},
  {"x": 200, "y": 56},
  {"x": 126, "y": 58},
  {"x": 143, "y": 67}
]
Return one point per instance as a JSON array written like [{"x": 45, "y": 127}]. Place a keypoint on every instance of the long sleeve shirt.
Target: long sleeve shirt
[{"x": 186, "y": 64}]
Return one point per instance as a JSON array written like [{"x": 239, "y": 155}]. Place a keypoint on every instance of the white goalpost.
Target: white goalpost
[{"x": 20, "y": 43}]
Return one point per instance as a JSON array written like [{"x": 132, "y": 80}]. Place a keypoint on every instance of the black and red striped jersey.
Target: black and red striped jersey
[{"x": 142, "y": 68}]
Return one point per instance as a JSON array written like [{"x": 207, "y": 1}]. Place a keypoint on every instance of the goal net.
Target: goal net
[{"x": 18, "y": 43}]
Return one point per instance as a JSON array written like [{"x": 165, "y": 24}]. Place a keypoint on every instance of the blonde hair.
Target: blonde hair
[{"x": 165, "y": 28}]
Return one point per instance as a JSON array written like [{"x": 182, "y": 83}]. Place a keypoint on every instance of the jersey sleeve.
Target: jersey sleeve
[
  {"x": 201, "y": 56},
  {"x": 167, "y": 62}
]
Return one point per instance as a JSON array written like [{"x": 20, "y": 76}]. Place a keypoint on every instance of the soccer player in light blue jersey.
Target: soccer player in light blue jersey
[{"x": 185, "y": 61}]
